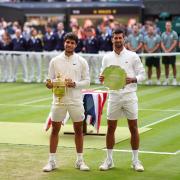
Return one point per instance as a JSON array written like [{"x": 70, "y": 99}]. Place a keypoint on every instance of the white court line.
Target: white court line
[
  {"x": 153, "y": 152},
  {"x": 35, "y": 101},
  {"x": 166, "y": 110},
  {"x": 146, "y": 152},
  {"x": 161, "y": 120}
]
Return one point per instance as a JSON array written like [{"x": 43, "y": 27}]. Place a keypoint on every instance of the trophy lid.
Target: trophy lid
[{"x": 58, "y": 81}]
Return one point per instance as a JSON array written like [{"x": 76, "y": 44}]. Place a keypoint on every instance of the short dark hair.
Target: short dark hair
[
  {"x": 118, "y": 31},
  {"x": 71, "y": 36}
]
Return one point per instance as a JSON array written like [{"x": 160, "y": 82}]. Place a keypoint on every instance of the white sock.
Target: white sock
[
  {"x": 79, "y": 156},
  {"x": 134, "y": 155},
  {"x": 52, "y": 156},
  {"x": 110, "y": 154}
]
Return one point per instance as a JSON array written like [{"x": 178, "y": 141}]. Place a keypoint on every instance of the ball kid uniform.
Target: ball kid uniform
[
  {"x": 35, "y": 45},
  {"x": 168, "y": 39},
  {"x": 135, "y": 40},
  {"x": 151, "y": 42},
  {"x": 6, "y": 62}
]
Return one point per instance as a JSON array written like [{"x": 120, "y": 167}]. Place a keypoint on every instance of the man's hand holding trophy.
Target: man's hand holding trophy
[
  {"x": 69, "y": 83},
  {"x": 59, "y": 86}
]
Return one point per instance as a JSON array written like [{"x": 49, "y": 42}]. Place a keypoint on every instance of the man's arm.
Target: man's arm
[
  {"x": 139, "y": 69},
  {"x": 146, "y": 48},
  {"x": 162, "y": 43},
  {"x": 155, "y": 48},
  {"x": 51, "y": 75},
  {"x": 85, "y": 78},
  {"x": 129, "y": 43},
  {"x": 139, "y": 47},
  {"x": 140, "y": 43},
  {"x": 158, "y": 44},
  {"x": 101, "y": 77},
  {"x": 130, "y": 47},
  {"x": 174, "y": 44},
  {"x": 163, "y": 47}
]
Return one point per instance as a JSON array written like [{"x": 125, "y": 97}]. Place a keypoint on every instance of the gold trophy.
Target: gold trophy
[{"x": 59, "y": 88}]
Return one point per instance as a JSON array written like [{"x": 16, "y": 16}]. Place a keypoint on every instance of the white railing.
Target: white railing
[{"x": 33, "y": 66}]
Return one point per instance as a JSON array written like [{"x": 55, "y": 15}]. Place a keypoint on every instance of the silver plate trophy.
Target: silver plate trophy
[{"x": 114, "y": 77}]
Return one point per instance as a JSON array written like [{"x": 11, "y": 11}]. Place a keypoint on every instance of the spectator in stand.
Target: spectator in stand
[
  {"x": 90, "y": 43},
  {"x": 60, "y": 37},
  {"x": 9, "y": 28},
  {"x": 88, "y": 24},
  {"x": 135, "y": 40},
  {"x": 130, "y": 24},
  {"x": 40, "y": 34},
  {"x": 6, "y": 59},
  {"x": 108, "y": 23},
  {"x": 19, "y": 44},
  {"x": 169, "y": 40},
  {"x": 144, "y": 29},
  {"x": 152, "y": 45},
  {"x": 49, "y": 41},
  {"x": 35, "y": 45},
  {"x": 157, "y": 29},
  {"x": 104, "y": 40},
  {"x": 26, "y": 31},
  {"x": 79, "y": 45},
  {"x": 73, "y": 22},
  {"x": 15, "y": 26}
]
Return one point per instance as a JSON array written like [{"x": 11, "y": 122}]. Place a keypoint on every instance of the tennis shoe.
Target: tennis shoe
[
  {"x": 81, "y": 166},
  {"x": 51, "y": 165},
  {"x": 106, "y": 165}
]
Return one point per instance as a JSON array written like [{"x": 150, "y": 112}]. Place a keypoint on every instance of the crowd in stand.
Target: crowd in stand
[{"x": 145, "y": 38}]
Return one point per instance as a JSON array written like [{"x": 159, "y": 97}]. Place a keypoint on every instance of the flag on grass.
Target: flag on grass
[{"x": 93, "y": 104}]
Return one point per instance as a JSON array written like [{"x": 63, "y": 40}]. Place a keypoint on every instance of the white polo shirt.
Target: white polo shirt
[
  {"x": 130, "y": 62},
  {"x": 74, "y": 67}
]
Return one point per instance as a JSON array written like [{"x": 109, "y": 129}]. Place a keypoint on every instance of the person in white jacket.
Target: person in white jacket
[
  {"x": 73, "y": 67},
  {"x": 123, "y": 102}
]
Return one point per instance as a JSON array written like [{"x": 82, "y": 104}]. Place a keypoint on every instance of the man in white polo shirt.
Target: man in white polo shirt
[
  {"x": 123, "y": 101},
  {"x": 73, "y": 67}
]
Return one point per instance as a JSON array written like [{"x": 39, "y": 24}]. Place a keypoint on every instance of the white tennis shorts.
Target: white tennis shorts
[
  {"x": 122, "y": 105},
  {"x": 76, "y": 112}
]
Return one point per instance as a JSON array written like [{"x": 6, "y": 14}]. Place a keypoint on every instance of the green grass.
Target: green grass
[{"x": 21, "y": 102}]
